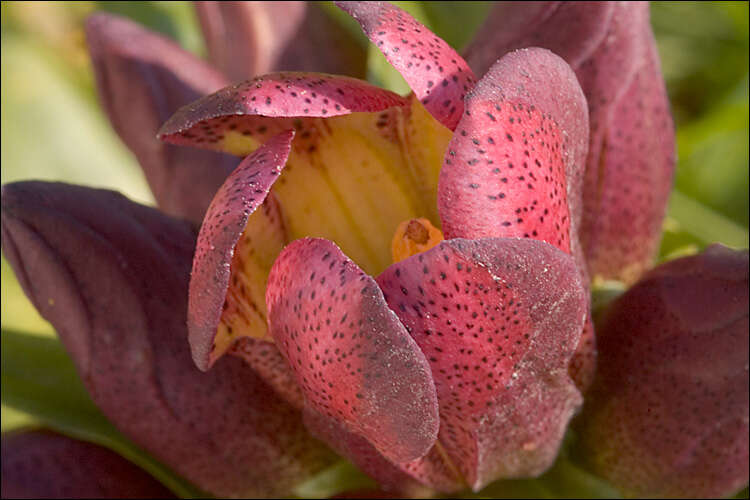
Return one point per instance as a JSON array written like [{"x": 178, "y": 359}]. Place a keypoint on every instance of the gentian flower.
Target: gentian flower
[
  {"x": 362, "y": 351},
  {"x": 668, "y": 414},
  {"x": 453, "y": 366}
]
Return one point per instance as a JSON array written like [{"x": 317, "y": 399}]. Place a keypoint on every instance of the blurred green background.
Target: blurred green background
[{"x": 53, "y": 129}]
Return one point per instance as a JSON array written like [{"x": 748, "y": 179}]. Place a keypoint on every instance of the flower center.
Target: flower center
[{"x": 414, "y": 236}]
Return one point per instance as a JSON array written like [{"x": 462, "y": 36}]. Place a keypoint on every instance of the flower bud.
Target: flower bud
[{"x": 668, "y": 414}]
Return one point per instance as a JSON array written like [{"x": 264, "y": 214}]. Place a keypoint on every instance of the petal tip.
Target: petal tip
[{"x": 225, "y": 222}]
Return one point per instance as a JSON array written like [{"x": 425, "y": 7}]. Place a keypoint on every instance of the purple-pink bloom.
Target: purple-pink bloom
[
  {"x": 449, "y": 368},
  {"x": 358, "y": 361}
]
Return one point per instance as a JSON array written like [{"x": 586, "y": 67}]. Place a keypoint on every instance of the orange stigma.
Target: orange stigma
[{"x": 414, "y": 236}]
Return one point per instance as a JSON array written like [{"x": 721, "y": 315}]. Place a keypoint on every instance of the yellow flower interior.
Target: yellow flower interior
[{"x": 351, "y": 179}]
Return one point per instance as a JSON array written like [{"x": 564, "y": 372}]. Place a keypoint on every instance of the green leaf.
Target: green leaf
[
  {"x": 603, "y": 293},
  {"x": 13, "y": 419},
  {"x": 39, "y": 378},
  {"x": 713, "y": 152},
  {"x": 456, "y": 25},
  {"x": 563, "y": 480},
  {"x": 704, "y": 223},
  {"x": 338, "y": 478},
  {"x": 567, "y": 480}
]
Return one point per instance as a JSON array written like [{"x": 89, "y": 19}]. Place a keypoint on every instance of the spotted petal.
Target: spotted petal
[
  {"x": 246, "y": 39},
  {"x": 112, "y": 278},
  {"x": 498, "y": 320},
  {"x": 364, "y": 172},
  {"x": 516, "y": 158},
  {"x": 351, "y": 355},
  {"x": 275, "y": 95},
  {"x": 631, "y": 154},
  {"x": 218, "y": 310},
  {"x": 514, "y": 167},
  {"x": 143, "y": 78},
  {"x": 43, "y": 464},
  {"x": 668, "y": 413},
  {"x": 435, "y": 72}
]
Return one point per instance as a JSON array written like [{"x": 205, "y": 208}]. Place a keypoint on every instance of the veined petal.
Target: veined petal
[
  {"x": 498, "y": 320},
  {"x": 636, "y": 153},
  {"x": 517, "y": 153},
  {"x": 668, "y": 413},
  {"x": 143, "y": 78},
  {"x": 516, "y": 25},
  {"x": 435, "y": 72},
  {"x": 246, "y": 39},
  {"x": 44, "y": 464},
  {"x": 351, "y": 355},
  {"x": 350, "y": 178},
  {"x": 220, "y": 311},
  {"x": 112, "y": 277}
]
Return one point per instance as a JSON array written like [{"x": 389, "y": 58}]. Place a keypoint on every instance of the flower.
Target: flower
[
  {"x": 361, "y": 357},
  {"x": 667, "y": 416},
  {"x": 451, "y": 366}
]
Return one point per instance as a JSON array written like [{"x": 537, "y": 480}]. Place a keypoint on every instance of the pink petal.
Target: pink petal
[
  {"x": 205, "y": 122},
  {"x": 244, "y": 190},
  {"x": 43, "y": 464},
  {"x": 143, "y": 78},
  {"x": 631, "y": 153},
  {"x": 668, "y": 413},
  {"x": 515, "y": 162},
  {"x": 515, "y": 165},
  {"x": 608, "y": 71},
  {"x": 517, "y": 25},
  {"x": 395, "y": 478},
  {"x": 112, "y": 278},
  {"x": 498, "y": 320},
  {"x": 246, "y": 39},
  {"x": 436, "y": 73},
  {"x": 627, "y": 200},
  {"x": 353, "y": 358},
  {"x": 583, "y": 364},
  {"x": 267, "y": 361}
]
